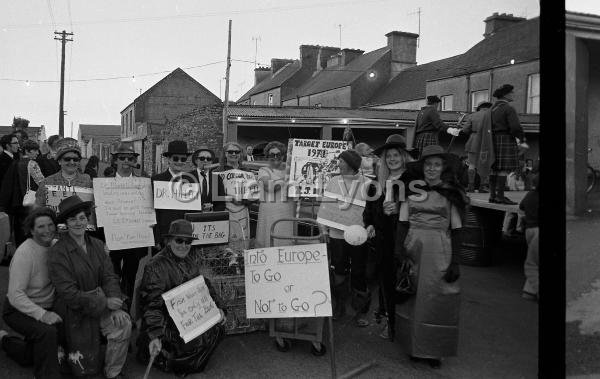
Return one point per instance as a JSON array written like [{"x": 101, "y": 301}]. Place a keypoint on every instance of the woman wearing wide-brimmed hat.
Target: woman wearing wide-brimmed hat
[
  {"x": 381, "y": 217},
  {"x": 159, "y": 335},
  {"x": 88, "y": 296},
  {"x": 429, "y": 236}
]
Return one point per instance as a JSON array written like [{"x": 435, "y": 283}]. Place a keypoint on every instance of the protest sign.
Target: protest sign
[
  {"x": 338, "y": 212},
  {"x": 191, "y": 308},
  {"x": 57, "y": 192},
  {"x": 287, "y": 281},
  {"x": 127, "y": 238},
  {"x": 240, "y": 184},
  {"x": 311, "y": 165},
  {"x": 209, "y": 227},
  {"x": 124, "y": 202},
  {"x": 177, "y": 195}
]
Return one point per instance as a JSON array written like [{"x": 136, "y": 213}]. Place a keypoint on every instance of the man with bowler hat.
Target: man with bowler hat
[
  {"x": 428, "y": 124},
  {"x": 203, "y": 158},
  {"x": 177, "y": 155}
]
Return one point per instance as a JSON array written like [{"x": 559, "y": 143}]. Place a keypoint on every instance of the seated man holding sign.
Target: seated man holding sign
[{"x": 169, "y": 332}]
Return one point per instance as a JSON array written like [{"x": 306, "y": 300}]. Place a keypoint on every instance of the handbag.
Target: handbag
[
  {"x": 29, "y": 198},
  {"x": 404, "y": 283}
]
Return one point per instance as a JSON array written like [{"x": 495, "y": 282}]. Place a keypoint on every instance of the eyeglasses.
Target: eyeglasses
[
  {"x": 123, "y": 159},
  {"x": 14, "y": 143},
  {"x": 71, "y": 159},
  {"x": 233, "y": 152},
  {"x": 274, "y": 155},
  {"x": 204, "y": 158},
  {"x": 179, "y": 241},
  {"x": 179, "y": 159}
]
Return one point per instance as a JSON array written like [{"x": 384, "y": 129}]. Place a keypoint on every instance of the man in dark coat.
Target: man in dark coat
[
  {"x": 210, "y": 184},
  {"x": 428, "y": 124},
  {"x": 508, "y": 139},
  {"x": 10, "y": 145},
  {"x": 177, "y": 155},
  {"x": 48, "y": 163}
]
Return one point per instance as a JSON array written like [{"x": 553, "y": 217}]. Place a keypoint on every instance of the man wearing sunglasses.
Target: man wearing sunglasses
[
  {"x": 203, "y": 159},
  {"x": 177, "y": 159},
  {"x": 68, "y": 156}
]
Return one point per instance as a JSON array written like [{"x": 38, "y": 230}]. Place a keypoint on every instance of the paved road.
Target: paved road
[{"x": 498, "y": 339}]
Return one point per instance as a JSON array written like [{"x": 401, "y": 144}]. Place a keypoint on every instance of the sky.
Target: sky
[
  {"x": 583, "y": 6},
  {"x": 131, "y": 45}
]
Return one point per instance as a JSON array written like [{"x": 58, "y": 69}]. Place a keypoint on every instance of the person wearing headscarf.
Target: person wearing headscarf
[
  {"x": 88, "y": 296},
  {"x": 159, "y": 336},
  {"x": 429, "y": 236},
  {"x": 381, "y": 217}
]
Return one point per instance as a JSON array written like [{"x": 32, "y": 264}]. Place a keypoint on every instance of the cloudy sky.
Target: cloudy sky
[{"x": 123, "y": 47}]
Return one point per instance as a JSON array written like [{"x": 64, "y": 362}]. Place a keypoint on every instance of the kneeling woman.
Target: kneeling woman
[
  {"x": 170, "y": 268},
  {"x": 429, "y": 235}
]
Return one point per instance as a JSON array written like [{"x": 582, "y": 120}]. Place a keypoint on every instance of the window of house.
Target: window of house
[
  {"x": 270, "y": 99},
  {"x": 533, "y": 93},
  {"x": 477, "y": 97},
  {"x": 447, "y": 102}
]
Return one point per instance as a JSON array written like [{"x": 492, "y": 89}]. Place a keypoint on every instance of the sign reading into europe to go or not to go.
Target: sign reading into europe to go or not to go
[{"x": 287, "y": 281}]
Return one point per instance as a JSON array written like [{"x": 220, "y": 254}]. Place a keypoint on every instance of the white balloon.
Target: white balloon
[{"x": 355, "y": 235}]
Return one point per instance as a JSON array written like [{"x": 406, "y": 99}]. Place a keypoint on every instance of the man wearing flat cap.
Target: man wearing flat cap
[
  {"x": 428, "y": 124},
  {"x": 203, "y": 158},
  {"x": 177, "y": 155}
]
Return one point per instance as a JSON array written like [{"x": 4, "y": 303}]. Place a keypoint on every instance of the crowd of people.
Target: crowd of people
[{"x": 69, "y": 294}]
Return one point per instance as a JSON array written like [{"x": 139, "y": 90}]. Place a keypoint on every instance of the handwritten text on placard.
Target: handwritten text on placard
[
  {"x": 287, "y": 281},
  {"x": 177, "y": 195},
  {"x": 124, "y": 202}
]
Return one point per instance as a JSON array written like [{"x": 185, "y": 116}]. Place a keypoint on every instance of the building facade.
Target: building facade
[{"x": 98, "y": 140}]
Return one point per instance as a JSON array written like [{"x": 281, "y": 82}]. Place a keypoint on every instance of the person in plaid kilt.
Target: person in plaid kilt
[
  {"x": 508, "y": 138},
  {"x": 428, "y": 124}
]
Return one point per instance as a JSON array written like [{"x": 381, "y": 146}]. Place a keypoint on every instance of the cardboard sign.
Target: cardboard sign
[
  {"x": 128, "y": 238},
  {"x": 209, "y": 227},
  {"x": 177, "y": 195},
  {"x": 57, "y": 193},
  {"x": 311, "y": 165},
  {"x": 339, "y": 213},
  {"x": 124, "y": 202},
  {"x": 240, "y": 184},
  {"x": 191, "y": 308},
  {"x": 287, "y": 281}
]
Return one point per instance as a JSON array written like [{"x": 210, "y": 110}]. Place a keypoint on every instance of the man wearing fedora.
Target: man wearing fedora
[
  {"x": 203, "y": 158},
  {"x": 508, "y": 139},
  {"x": 428, "y": 124},
  {"x": 177, "y": 155},
  {"x": 126, "y": 261}
]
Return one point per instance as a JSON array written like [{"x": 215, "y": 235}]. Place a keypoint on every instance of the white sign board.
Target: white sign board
[
  {"x": 177, "y": 195},
  {"x": 128, "y": 238},
  {"x": 240, "y": 184},
  {"x": 311, "y": 164},
  {"x": 124, "y": 202},
  {"x": 57, "y": 193},
  {"x": 191, "y": 308},
  {"x": 287, "y": 281},
  {"x": 209, "y": 227}
]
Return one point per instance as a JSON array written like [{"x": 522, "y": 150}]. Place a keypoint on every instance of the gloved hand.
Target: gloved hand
[
  {"x": 452, "y": 273},
  {"x": 453, "y": 131}
]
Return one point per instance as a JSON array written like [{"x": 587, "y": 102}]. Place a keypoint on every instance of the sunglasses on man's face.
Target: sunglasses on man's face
[
  {"x": 201, "y": 158},
  {"x": 123, "y": 159},
  {"x": 274, "y": 155},
  {"x": 233, "y": 152},
  {"x": 180, "y": 241},
  {"x": 179, "y": 159},
  {"x": 71, "y": 159}
]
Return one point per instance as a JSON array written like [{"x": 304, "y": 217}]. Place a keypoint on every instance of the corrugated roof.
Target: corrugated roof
[
  {"x": 336, "y": 77},
  {"x": 410, "y": 84},
  {"x": 273, "y": 81}
]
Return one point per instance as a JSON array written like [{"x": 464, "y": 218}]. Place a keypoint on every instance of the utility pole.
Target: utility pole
[
  {"x": 61, "y": 115},
  {"x": 226, "y": 108},
  {"x": 255, "y": 39},
  {"x": 340, "y": 27},
  {"x": 71, "y": 129},
  {"x": 418, "y": 13}
]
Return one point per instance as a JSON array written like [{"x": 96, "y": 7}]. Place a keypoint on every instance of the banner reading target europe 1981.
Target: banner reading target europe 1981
[{"x": 312, "y": 163}]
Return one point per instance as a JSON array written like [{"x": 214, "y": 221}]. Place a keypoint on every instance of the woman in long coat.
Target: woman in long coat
[{"x": 429, "y": 236}]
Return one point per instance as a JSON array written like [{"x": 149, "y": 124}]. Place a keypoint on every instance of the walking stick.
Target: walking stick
[
  {"x": 149, "y": 365},
  {"x": 453, "y": 137}
]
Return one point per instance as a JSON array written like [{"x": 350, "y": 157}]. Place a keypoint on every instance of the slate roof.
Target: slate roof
[
  {"x": 519, "y": 42},
  {"x": 274, "y": 81},
  {"x": 336, "y": 77},
  {"x": 31, "y": 130},
  {"x": 100, "y": 133}
]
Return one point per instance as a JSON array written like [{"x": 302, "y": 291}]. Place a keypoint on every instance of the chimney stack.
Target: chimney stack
[
  {"x": 325, "y": 54},
  {"x": 261, "y": 73},
  {"x": 403, "y": 47},
  {"x": 277, "y": 64},
  {"x": 348, "y": 55},
  {"x": 309, "y": 55},
  {"x": 499, "y": 21}
]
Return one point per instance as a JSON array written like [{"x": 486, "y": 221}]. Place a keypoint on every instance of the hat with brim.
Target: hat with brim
[
  {"x": 503, "y": 91},
  {"x": 181, "y": 228},
  {"x": 483, "y": 104},
  {"x": 433, "y": 99},
  {"x": 452, "y": 160},
  {"x": 395, "y": 141},
  {"x": 125, "y": 148},
  {"x": 70, "y": 206},
  {"x": 67, "y": 145},
  {"x": 176, "y": 147}
]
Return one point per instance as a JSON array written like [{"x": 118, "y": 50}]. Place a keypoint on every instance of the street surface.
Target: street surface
[{"x": 498, "y": 339}]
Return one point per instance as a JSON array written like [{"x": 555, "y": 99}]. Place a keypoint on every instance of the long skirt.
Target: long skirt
[{"x": 427, "y": 324}]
